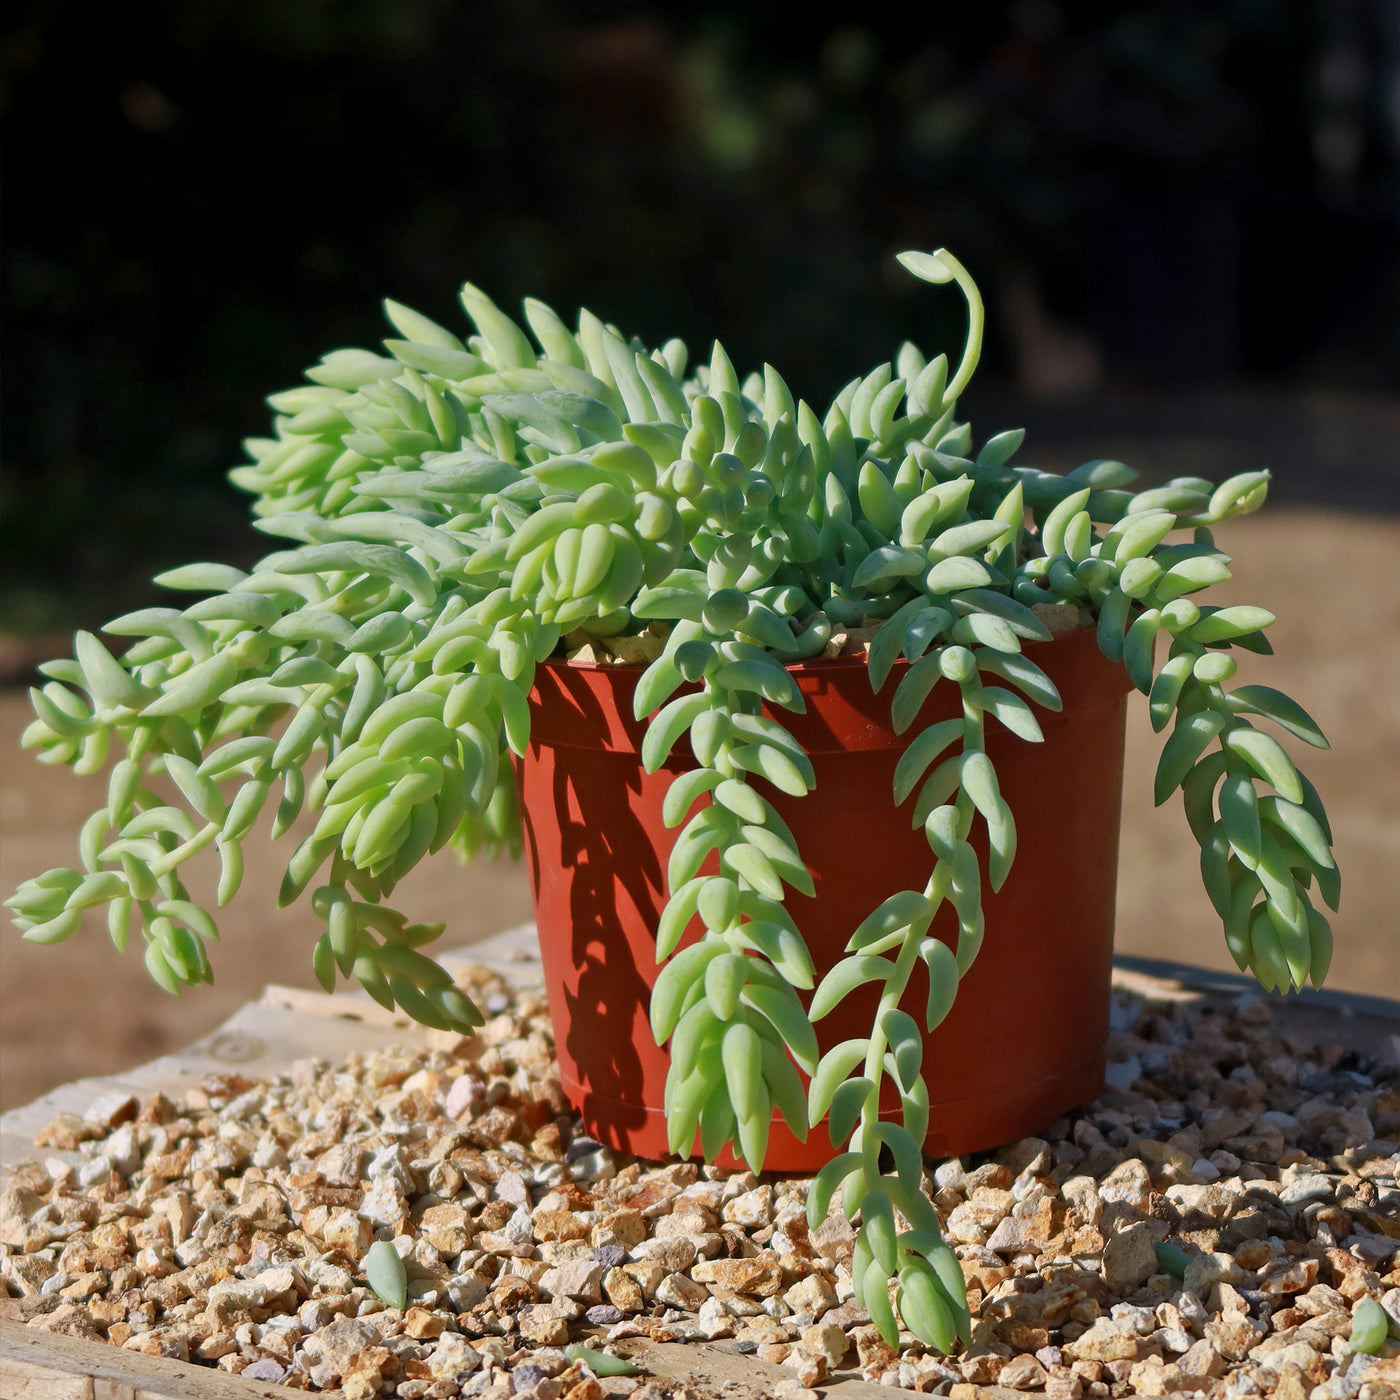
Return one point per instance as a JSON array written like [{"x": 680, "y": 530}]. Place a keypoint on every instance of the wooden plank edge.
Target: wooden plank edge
[
  {"x": 36, "y": 1364},
  {"x": 335, "y": 1006},
  {"x": 512, "y": 955},
  {"x": 717, "y": 1369},
  {"x": 1209, "y": 979}
]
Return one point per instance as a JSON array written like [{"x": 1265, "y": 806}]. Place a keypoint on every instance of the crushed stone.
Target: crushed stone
[{"x": 1203, "y": 1230}]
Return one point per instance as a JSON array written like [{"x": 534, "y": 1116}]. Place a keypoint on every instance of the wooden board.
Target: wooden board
[
  {"x": 39, "y": 1365},
  {"x": 714, "y": 1369}
]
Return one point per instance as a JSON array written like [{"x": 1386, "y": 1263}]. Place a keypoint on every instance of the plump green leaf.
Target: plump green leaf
[{"x": 385, "y": 1273}]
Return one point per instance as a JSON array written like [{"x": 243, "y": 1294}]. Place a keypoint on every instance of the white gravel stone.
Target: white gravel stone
[{"x": 1252, "y": 1165}]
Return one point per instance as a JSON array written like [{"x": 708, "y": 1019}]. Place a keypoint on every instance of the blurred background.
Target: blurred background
[{"x": 1183, "y": 217}]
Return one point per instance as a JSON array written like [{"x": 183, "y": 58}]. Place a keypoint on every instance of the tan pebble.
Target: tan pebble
[
  {"x": 215, "y": 1345},
  {"x": 1130, "y": 1183},
  {"x": 29, "y": 1271},
  {"x": 1292, "y": 1383},
  {"x": 637, "y": 650},
  {"x": 1167, "y": 1165},
  {"x": 559, "y": 1225},
  {"x": 624, "y": 1227},
  {"x": 1264, "y": 1145},
  {"x": 342, "y": 1165},
  {"x": 1081, "y": 1194},
  {"x": 112, "y": 1108},
  {"x": 1207, "y": 1270},
  {"x": 347, "y": 1230},
  {"x": 1226, "y": 1298},
  {"x": 421, "y": 1323},
  {"x": 556, "y": 1252},
  {"x": 714, "y": 1319},
  {"x": 1107, "y": 1340},
  {"x": 1152, "y": 1377},
  {"x": 824, "y": 1339},
  {"x": 65, "y": 1132},
  {"x": 810, "y": 1367},
  {"x": 1350, "y": 1277},
  {"x": 158, "y": 1342},
  {"x": 964, "y": 1227},
  {"x": 1011, "y": 1237},
  {"x": 652, "y": 1197},
  {"x": 384, "y": 1205},
  {"x": 1201, "y": 1361},
  {"x": 105, "y": 1311},
  {"x": 646, "y": 1273},
  {"x": 1129, "y": 1258},
  {"x": 813, "y": 1294},
  {"x": 72, "y": 1320},
  {"x": 689, "y": 1224},
  {"x": 763, "y": 1330},
  {"x": 580, "y": 1278},
  {"x": 793, "y": 1390},
  {"x": 758, "y": 1277},
  {"x": 1254, "y": 1254},
  {"x": 752, "y": 1208},
  {"x": 1022, "y": 1373},
  {"x": 623, "y": 1291},
  {"x": 451, "y": 1356},
  {"x": 18, "y": 1203},
  {"x": 1288, "y": 1276},
  {"x": 1233, "y": 1335},
  {"x": 984, "y": 1269},
  {"x": 674, "y": 1255},
  {"x": 1022, "y": 1336},
  {"x": 845, "y": 1315},
  {"x": 542, "y": 1325},
  {"x": 983, "y": 1368},
  {"x": 677, "y": 1291},
  {"x": 365, "y": 1383},
  {"x": 1297, "y": 1354}
]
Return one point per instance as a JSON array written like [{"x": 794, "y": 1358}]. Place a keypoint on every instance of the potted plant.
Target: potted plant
[{"x": 460, "y": 517}]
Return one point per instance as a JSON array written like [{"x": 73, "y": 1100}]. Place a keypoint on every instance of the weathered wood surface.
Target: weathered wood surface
[
  {"x": 714, "y": 1369},
  {"x": 39, "y": 1365}
]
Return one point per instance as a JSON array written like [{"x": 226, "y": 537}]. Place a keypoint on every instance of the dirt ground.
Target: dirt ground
[{"x": 1333, "y": 580}]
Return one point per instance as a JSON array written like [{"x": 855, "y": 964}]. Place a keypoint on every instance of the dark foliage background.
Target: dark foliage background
[{"x": 1176, "y": 210}]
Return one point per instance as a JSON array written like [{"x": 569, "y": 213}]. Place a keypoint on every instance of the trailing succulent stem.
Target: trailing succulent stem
[{"x": 455, "y": 512}]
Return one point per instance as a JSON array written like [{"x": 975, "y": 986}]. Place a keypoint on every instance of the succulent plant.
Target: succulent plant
[{"x": 454, "y": 510}]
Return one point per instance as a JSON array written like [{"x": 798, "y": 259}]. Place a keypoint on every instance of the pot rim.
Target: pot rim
[{"x": 799, "y": 668}]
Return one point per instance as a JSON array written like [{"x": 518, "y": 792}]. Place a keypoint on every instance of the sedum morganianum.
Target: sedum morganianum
[{"x": 454, "y": 509}]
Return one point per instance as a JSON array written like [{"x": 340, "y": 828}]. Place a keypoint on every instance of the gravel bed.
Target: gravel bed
[{"x": 1204, "y": 1229}]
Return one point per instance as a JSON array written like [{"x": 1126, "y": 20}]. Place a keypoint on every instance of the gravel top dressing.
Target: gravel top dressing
[{"x": 1223, "y": 1222}]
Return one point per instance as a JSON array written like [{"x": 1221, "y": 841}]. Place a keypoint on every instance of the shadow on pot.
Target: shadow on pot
[{"x": 1025, "y": 1040}]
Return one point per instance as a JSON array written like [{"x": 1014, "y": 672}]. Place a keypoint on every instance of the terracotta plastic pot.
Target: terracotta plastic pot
[{"x": 1025, "y": 1040}]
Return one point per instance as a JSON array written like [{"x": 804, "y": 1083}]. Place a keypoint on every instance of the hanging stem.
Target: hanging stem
[{"x": 940, "y": 267}]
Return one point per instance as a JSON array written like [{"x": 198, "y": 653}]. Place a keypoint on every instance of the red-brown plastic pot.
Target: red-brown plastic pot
[{"x": 1025, "y": 1040}]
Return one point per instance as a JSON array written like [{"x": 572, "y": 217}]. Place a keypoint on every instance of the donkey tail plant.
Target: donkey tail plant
[{"x": 453, "y": 510}]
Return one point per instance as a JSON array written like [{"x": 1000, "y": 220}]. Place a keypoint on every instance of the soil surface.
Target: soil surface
[{"x": 1332, "y": 579}]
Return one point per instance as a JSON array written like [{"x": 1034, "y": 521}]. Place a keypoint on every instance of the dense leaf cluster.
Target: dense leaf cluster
[{"x": 453, "y": 510}]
